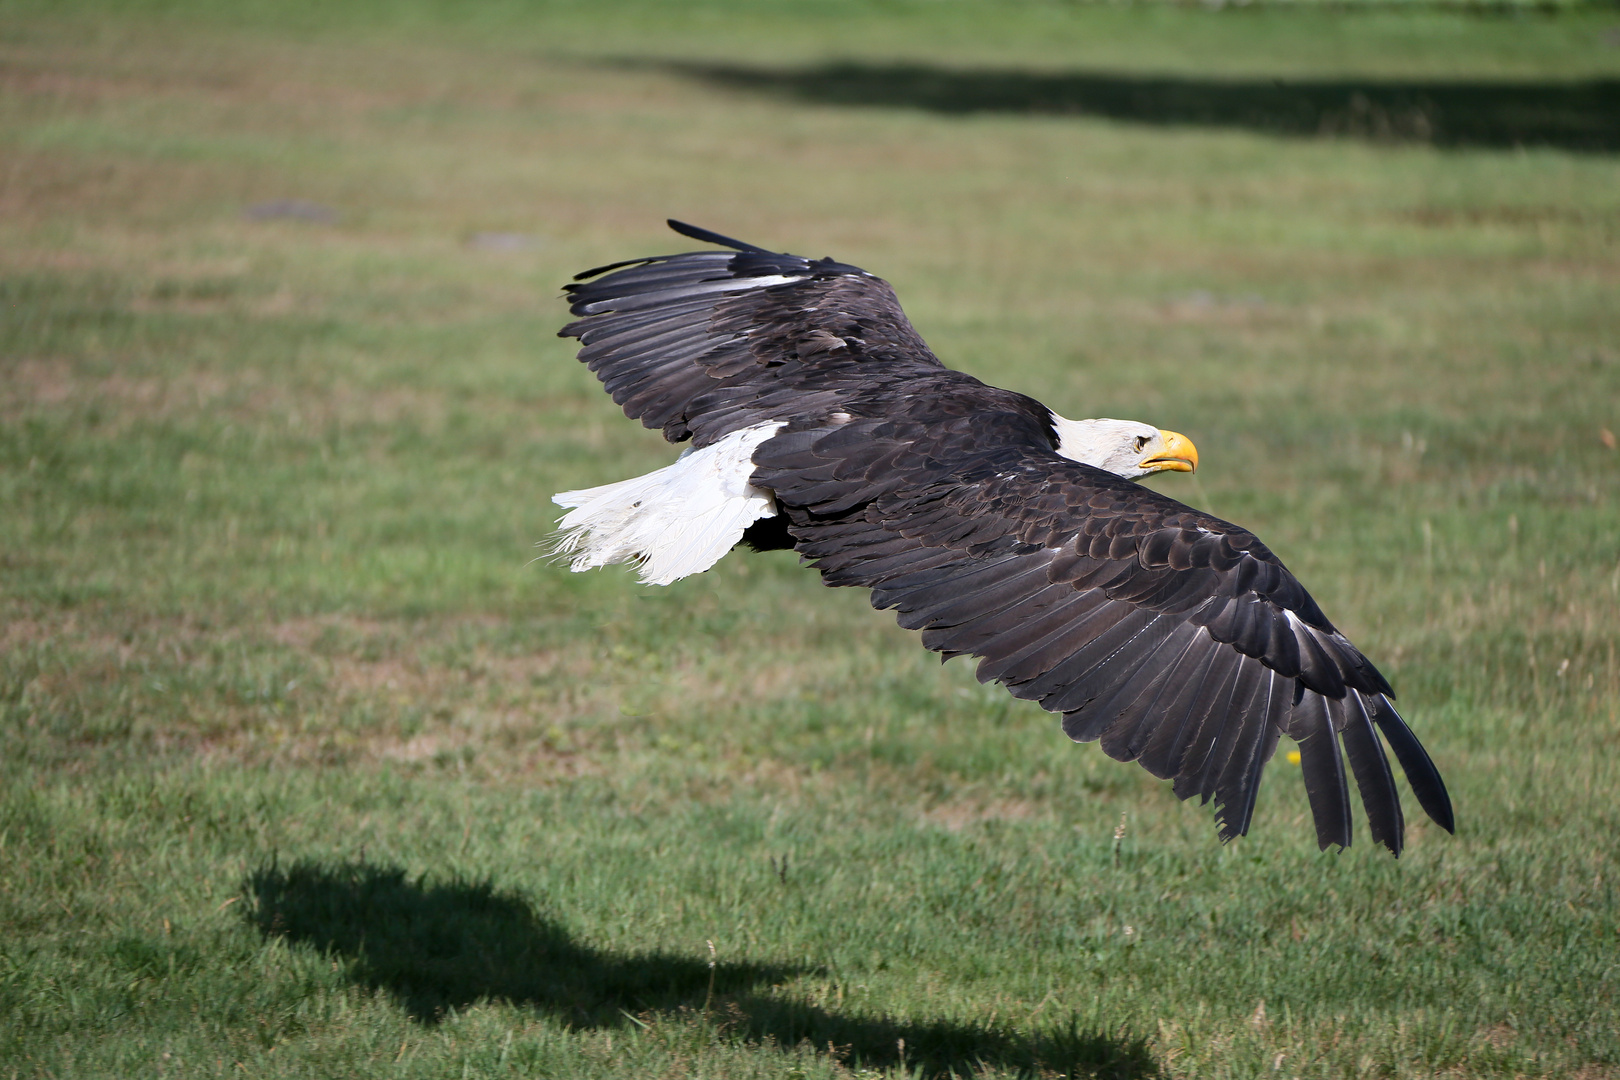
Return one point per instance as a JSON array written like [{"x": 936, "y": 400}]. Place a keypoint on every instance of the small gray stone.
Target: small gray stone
[
  {"x": 291, "y": 210},
  {"x": 503, "y": 241}
]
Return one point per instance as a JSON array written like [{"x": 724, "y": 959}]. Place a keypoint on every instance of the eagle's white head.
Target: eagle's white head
[{"x": 1124, "y": 447}]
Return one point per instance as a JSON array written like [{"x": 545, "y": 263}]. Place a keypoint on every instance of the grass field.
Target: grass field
[{"x": 309, "y": 769}]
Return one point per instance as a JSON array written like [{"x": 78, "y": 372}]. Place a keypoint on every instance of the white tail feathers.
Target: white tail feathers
[{"x": 674, "y": 522}]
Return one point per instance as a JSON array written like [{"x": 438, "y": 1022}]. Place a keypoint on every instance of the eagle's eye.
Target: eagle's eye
[{"x": 1141, "y": 441}]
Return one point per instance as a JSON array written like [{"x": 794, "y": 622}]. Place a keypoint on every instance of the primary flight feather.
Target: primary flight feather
[{"x": 819, "y": 420}]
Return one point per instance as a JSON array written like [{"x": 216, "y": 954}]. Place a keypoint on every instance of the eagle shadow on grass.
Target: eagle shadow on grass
[
  {"x": 1574, "y": 114},
  {"x": 438, "y": 946}
]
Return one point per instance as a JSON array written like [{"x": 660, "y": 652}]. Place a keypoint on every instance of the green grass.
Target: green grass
[{"x": 309, "y": 769}]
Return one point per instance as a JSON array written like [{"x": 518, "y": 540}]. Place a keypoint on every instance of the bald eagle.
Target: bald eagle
[{"x": 819, "y": 420}]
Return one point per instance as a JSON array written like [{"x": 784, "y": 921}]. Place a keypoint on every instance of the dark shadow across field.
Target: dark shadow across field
[
  {"x": 435, "y": 947},
  {"x": 1573, "y": 115}
]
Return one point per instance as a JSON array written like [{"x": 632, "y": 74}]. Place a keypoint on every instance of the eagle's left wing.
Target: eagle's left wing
[{"x": 1177, "y": 639}]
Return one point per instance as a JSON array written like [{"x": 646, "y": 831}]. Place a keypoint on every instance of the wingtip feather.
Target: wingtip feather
[
  {"x": 1420, "y": 770},
  {"x": 693, "y": 232}
]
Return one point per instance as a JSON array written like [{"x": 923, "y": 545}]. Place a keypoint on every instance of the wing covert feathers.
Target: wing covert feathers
[{"x": 1173, "y": 638}]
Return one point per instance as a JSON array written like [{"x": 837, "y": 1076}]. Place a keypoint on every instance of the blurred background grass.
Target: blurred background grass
[{"x": 309, "y": 769}]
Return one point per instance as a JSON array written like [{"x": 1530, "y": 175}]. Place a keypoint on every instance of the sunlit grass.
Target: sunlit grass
[{"x": 310, "y": 768}]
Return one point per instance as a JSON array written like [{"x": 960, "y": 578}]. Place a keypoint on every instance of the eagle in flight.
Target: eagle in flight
[{"x": 819, "y": 420}]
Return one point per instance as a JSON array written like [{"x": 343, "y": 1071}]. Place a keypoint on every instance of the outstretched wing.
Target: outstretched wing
[
  {"x": 690, "y": 343},
  {"x": 1177, "y": 639}
]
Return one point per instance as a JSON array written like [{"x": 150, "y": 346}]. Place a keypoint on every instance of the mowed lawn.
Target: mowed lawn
[{"x": 309, "y": 766}]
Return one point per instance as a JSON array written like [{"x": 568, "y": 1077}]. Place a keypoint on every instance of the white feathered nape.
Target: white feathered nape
[{"x": 677, "y": 521}]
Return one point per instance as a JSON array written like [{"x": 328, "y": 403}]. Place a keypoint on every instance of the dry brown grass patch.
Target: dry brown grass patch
[
  {"x": 1595, "y": 1071},
  {"x": 51, "y": 383},
  {"x": 39, "y": 384},
  {"x": 959, "y": 813}
]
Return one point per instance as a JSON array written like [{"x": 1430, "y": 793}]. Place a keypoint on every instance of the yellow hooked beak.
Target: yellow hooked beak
[{"x": 1172, "y": 452}]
